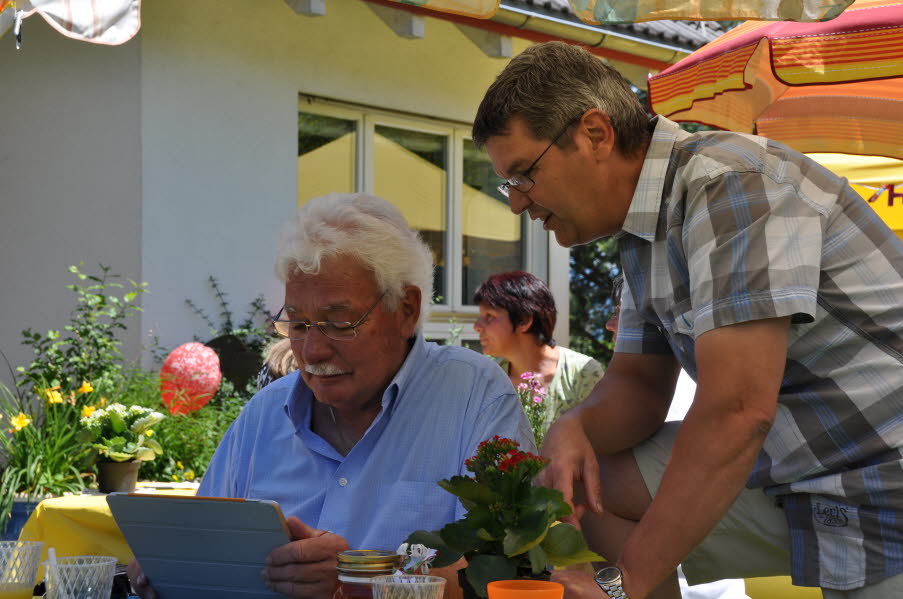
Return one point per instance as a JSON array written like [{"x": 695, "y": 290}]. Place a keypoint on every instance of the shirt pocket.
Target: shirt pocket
[{"x": 416, "y": 505}]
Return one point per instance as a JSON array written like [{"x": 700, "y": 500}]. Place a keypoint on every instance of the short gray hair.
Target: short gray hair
[
  {"x": 551, "y": 84},
  {"x": 366, "y": 228}
]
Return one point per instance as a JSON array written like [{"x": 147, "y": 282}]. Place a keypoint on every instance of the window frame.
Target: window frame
[{"x": 452, "y": 307}]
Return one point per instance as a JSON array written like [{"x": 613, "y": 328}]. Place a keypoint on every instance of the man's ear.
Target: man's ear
[
  {"x": 596, "y": 126},
  {"x": 409, "y": 310}
]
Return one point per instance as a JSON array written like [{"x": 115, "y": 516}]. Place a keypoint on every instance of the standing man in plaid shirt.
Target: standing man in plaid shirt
[{"x": 773, "y": 284}]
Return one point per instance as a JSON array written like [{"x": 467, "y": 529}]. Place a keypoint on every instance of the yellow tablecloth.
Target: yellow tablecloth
[
  {"x": 83, "y": 525},
  {"x": 80, "y": 525}
]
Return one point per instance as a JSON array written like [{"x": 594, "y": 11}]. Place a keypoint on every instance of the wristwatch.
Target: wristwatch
[{"x": 610, "y": 580}]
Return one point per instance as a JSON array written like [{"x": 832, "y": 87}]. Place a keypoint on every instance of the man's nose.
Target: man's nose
[
  {"x": 315, "y": 347},
  {"x": 478, "y": 325},
  {"x": 612, "y": 324},
  {"x": 518, "y": 201}
]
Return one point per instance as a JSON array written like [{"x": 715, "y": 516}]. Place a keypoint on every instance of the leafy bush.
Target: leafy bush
[
  {"x": 39, "y": 448},
  {"x": 40, "y": 418},
  {"x": 251, "y": 331},
  {"x": 190, "y": 439},
  {"x": 89, "y": 349}
]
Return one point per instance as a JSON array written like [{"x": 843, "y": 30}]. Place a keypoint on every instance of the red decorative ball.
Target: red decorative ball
[{"x": 189, "y": 377}]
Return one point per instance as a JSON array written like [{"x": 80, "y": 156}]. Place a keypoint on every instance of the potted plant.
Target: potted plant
[
  {"x": 120, "y": 438},
  {"x": 39, "y": 451},
  {"x": 511, "y": 529}
]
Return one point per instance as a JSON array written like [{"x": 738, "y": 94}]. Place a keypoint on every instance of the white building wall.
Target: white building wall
[
  {"x": 220, "y": 85},
  {"x": 173, "y": 157},
  {"x": 70, "y": 172}
]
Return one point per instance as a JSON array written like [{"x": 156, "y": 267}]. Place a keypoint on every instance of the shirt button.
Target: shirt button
[{"x": 343, "y": 481}]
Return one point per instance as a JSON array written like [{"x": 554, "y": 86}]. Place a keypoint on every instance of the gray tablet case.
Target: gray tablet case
[{"x": 201, "y": 547}]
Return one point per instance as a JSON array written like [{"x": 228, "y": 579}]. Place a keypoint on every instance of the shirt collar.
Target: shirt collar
[
  {"x": 643, "y": 214},
  {"x": 298, "y": 402}
]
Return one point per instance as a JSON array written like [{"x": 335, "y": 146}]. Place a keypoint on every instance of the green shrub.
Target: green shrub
[
  {"x": 189, "y": 440},
  {"x": 88, "y": 349}
]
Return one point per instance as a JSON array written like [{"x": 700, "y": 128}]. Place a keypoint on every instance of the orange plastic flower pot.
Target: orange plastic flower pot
[{"x": 527, "y": 589}]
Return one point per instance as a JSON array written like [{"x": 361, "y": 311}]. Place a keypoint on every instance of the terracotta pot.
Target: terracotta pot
[{"x": 117, "y": 476}]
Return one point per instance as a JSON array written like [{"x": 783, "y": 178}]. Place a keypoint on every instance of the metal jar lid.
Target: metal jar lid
[{"x": 367, "y": 560}]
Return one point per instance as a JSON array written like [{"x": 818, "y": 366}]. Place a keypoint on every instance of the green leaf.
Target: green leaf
[
  {"x": 120, "y": 457},
  {"x": 470, "y": 490},
  {"x": 547, "y": 500},
  {"x": 530, "y": 532},
  {"x": 538, "y": 559},
  {"x": 460, "y": 536},
  {"x": 483, "y": 569},
  {"x": 564, "y": 545},
  {"x": 154, "y": 445},
  {"x": 116, "y": 422}
]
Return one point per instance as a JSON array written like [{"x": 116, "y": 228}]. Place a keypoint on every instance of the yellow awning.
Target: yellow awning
[{"x": 868, "y": 175}]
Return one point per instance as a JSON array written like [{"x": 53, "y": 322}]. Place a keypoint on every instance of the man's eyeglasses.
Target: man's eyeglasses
[
  {"x": 340, "y": 331},
  {"x": 522, "y": 181}
]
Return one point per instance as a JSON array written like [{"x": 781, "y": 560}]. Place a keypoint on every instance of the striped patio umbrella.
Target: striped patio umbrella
[
  {"x": 596, "y": 12},
  {"x": 818, "y": 87}
]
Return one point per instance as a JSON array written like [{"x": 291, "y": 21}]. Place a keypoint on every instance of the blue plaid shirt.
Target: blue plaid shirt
[
  {"x": 727, "y": 228},
  {"x": 442, "y": 402}
]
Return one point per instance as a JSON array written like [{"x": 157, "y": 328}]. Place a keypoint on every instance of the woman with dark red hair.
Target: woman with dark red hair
[{"x": 517, "y": 315}]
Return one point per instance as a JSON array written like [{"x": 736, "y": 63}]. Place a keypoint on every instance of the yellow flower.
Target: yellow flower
[
  {"x": 103, "y": 401},
  {"x": 180, "y": 466},
  {"x": 175, "y": 478},
  {"x": 189, "y": 475},
  {"x": 149, "y": 432},
  {"x": 88, "y": 410},
  {"x": 53, "y": 395},
  {"x": 85, "y": 388},
  {"x": 20, "y": 422}
]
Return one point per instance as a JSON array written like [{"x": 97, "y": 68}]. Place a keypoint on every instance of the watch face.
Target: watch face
[{"x": 609, "y": 575}]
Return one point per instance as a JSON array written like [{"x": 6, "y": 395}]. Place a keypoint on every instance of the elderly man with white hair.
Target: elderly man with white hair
[{"x": 352, "y": 444}]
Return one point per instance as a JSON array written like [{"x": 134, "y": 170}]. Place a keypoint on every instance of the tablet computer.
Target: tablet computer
[{"x": 201, "y": 547}]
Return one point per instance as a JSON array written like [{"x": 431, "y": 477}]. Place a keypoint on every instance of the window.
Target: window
[{"x": 443, "y": 185}]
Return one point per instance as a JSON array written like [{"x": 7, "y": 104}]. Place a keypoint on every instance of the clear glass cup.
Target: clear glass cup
[
  {"x": 80, "y": 577},
  {"x": 407, "y": 586},
  {"x": 19, "y": 561}
]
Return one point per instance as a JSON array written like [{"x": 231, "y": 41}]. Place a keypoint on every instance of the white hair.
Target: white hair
[{"x": 366, "y": 228}]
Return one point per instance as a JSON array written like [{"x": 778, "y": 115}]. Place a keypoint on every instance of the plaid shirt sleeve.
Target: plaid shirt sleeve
[
  {"x": 753, "y": 249},
  {"x": 635, "y": 334}
]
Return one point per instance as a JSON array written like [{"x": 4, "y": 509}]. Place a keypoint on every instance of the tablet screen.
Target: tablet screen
[{"x": 201, "y": 547}]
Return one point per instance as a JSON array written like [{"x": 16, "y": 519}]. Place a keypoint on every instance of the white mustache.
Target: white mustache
[{"x": 323, "y": 369}]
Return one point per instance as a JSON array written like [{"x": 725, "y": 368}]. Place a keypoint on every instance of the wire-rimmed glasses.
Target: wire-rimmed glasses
[
  {"x": 339, "y": 331},
  {"x": 522, "y": 181}
]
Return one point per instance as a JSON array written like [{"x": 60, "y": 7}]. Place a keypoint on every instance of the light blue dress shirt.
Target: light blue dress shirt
[{"x": 440, "y": 405}]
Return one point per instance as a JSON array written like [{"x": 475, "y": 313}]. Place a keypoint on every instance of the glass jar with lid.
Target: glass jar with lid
[{"x": 357, "y": 566}]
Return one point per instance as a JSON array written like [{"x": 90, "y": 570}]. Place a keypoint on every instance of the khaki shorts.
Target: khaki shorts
[{"x": 752, "y": 539}]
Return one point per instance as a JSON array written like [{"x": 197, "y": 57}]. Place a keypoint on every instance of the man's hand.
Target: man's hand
[
  {"x": 572, "y": 461},
  {"x": 140, "y": 583},
  {"x": 578, "y": 585},
  {"x": 306, "y": 567}
]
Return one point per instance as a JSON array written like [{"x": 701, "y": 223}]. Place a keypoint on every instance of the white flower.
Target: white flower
[{"x": 419, "y": 556}]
